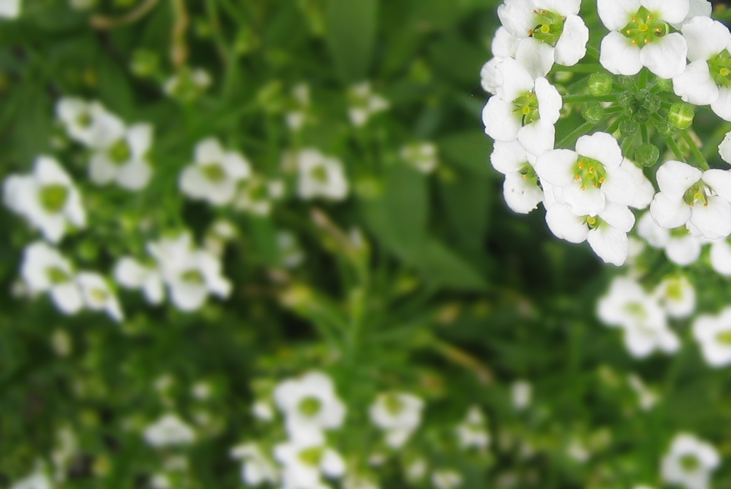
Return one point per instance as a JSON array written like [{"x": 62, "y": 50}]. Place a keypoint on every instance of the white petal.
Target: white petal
[
  {"x": 236, "y": 166},
  {"x": 671, "y": 11},
  {"x": 683, "y": 251},
  {"x": 536, "y": 56},
  {"x": 675, "y": 177},
  {"x": 721, "y": 257},
  {"x": 669, "y": 212},
  {"x": 508, "y": 157},
  {"x": 48, "y": 170},
  {"x": 139, "y": 137},
  {"x": 516, "y": 16},
  {"x": 610, "y": 244},
  {"x": 500, "y": 121},
  {"x": 101, "y": 169},
  {"x": 188, "y": 297},
  {"x": 53, "y": 227},
  {"x": 618, "y": 216},
  {"x": 538, "y": 137},
  {"x": 563, "y": 7},
  {"x": 712, "y": 220},
  {"x": 153, "y": 288},
  {"x": 129, "y": 273},
  {"x": 332, "y": 464},
  {"x": 619, "y": 186},
  {"x": 557, "y": 167},
  {"x": 615, "y": 14},
  {"x": 193, "y": 183},
  {"x": 724, "y": 149},
  {"x": 656, "y": 236},
  {"x": 602, "y": 147},
  {"x": 209, "y": 151},
  {"x": 490, "y": 77},
  {"x": 549, "y": 101},
  {"x": 665, "y": 57},
  {"x": 134, "y": 175},
  {"x": 695, "y": 85},
  {"x": 719, "y": 181},
  {"x": 521, "y": 196},
  {"x": 504, "y": 44},
  {"x": 722, "y": 105},
  {"x": 571, "y": 46},
  {"x": 587, "y": 202},
  {"x": 565, "y": 225},
  {"x": 644, "y": 191},
  {"x": 67, "y": 297},
  {"x": 517, "y": 80},
  {"x": 618, "y": 55},
  {"x": 705, "y": 38}
]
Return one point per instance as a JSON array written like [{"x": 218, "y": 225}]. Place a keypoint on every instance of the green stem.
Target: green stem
[
  {"x": 588, "y": 97},
  {"x": 615, "y": 125},
  {"x": 674, "y": 148},
  {"x": 592, "y": 51},
  {"x": 643, "y": 133},
  {"x": 573, "y": 135},
  {"x": 700, "y": 159}
]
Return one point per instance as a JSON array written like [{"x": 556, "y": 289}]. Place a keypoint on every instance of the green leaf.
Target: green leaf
[
  {"x": 351, "y": 34},
  {"x": 468, "y": 199}
]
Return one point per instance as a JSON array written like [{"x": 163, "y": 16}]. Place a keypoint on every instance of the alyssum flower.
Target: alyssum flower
[
  {"x": 124, "y": 159},
  {"x": 521, "y": 188},
  {"x": 689, "y": 462},
  {"x": 713, "y": 333},
  {"x": 215, "y": 174}
]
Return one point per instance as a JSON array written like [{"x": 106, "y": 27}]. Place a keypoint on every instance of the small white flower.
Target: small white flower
[
  {"x": 257, "y": 195},
  {"x": 688, "y": 195},
  {"x": 422, "y": 156},
  {"x": 132, "y": 274},
  {"x": 640, "y": 36},
  {"x": 680, "y": 246},
  {"x": 472, "y": 432},
  {"x": 707, "y": 79},
  {"x": 37, "y": 480},
  {"x": 10, "y": 9},
  {"x": 45, "y": 270},
  {"x": 306, "y": 459},
  {"x": 309, "y": 404},
  {"x": 320, "y": 176},
  {"x": 721, "y": 257},
  {"x": 188, "y": 83},
  {"x": 522, "y": 109},
  {"x": 88, "y": 123},
  {"x": 124, "y": 160},
  {"x": 521, "y": 188},
  {"x": 713, "y": 333},
  {"x": 415, "y": 470},
  {"x": 677, "y": 296},
  {"x": 363, "y": 103},
  {"x": 215, "y": 175},
  {"x": 724, "y": 149},
  {"x": 256, "y": 468},
  {"x": 47, "y": 198},
  {"x": 521, "y": 393},
  {"x": 689, "y": 462},
  {"x": 98, "y": 296},
  {"x": 398, "y": 414},
  {"x": 446, "y": 479},
  {"x": 169, "y": 430},
  {"x": 504, "y": 45}
]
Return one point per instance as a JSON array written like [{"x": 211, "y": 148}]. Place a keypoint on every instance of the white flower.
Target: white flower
[
  {"x": 551, "y": 31},
  {"x": 88, "y": 123},
  {"x": 640, "y": 36},
  {"x": 290, "y": 250},
  {"x": 521, "y": 393},
  {"x": 132, "y": 274},
  {"x": 38, "y": 479},
  {"x": 262, "y": 410},
  {"x": 169, "y": 430},
  {"x": 47, "y": 198},
  {"x": 415, "y": 470},
  {"x": 124, "y": 160},
  {"x": 677, "y": 296},
  {"x": 647, "y": 398},
  {"x": 446, "y": 479},
  {"x": 45, "y": 270},
  {"x": 689, "y": 195},
  {"x": 97, "y": 294},
  {"x": 689, "y": 462},
  {"x": 215, "y": 174},
  {"x": 297, "y": 116},
  {"x": 320, "y": 176},
  {"x": 707, "y": 79},
  {"x": 713, "y": 333},
  {"x": 422, "y": 156},
  {"x": 643, "y": 320},
  {"x": 188, "y": 83},
  {"x": 257, "y": 195},
  {"x": 190, "y": 274},
  {"x": 10, "y": 9},
  {"x": 256, "y": 468},
  {"x": 721, "y": 257},
  {"x": 309, "y": 404},
  {"x": 724, "y": 149},
  {"x": 398, "y": 414},
  {"x": 521, "y": 188},
  {"x": 306, "y": 459},
  {"x": 504, "y": 45},
  {"x": 363, "y": 103},
  {"x": 680, "y": 246},
  {"x": 523, "y": 109},
  {"x": 472, "y": 432}
]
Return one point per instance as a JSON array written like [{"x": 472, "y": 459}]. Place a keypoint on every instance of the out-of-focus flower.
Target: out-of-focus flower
[
  {"x": 680, "y": 246},
  {"x": 37, "y": 480},
  {"x": 289, "y": 249},
  {"x": 10, "y": 9},
  {"x": 297, "y": 115},
  {"x": 257, "y": 195},
  {"x": 647, "y": 398},
  {"x": 256, "y": 468},
  {"x": 320, "y": 176},
  {"x": 188, "y": 84},
  {"x": 89, "y": 123},
  {"x": 398, "y": 414},
  {"x": 713, "y": 333},
  {"x": 363, "y": 103},
  {"x": 306, "y": 459},
  {"x": 98, "y": 296},
  {"x": 472, "y": 432},
  {"x": 422, "y": 156},
  {"x": 169, "y": 430},
  {"x": 132, "y": 274},
  {"x": 689, "y": 462},
  {"x": 446, "y": 479},
  {"x": 521, "y": 394},
  {"x": 215, "y": 175},
  {"x": 44, "y": 269},
  {"x": 124, "y": 160},
  {"x": 677, "y": 296}
]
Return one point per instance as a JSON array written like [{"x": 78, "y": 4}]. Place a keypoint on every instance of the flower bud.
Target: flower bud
[
  {"x": 145, "y": 63},
  {"x": 681, "y": 115},
  {"x": 664, "y": 128},
  {"x": 651, "y": 102},
  {"x": 647, "y": 154},
  {"x": 600, "y": 84},
  {"x": 592, "y": 112},
  {"x": 628, "y": 127}
]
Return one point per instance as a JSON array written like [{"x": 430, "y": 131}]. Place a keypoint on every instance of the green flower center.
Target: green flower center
[
  {"x": 311, "y": 456},
  {"x": 53, "y": 197},
  {"x": 192, "y": 276},
  {"x": 393, "y": 405},
  {"x": 119, "y": 152},
  {"x": 675, "y": 291},
  {"x": 56, "y": 275},
  {"x": 320, "y": 174},
  {"x": 720, "y": 68},
  {"x": 310, "y": 406},
  {"x": 590, "y": 173},
  {"x": 636, "y": 309},
  {"x": 644, "y": 27},
  {"x": 98, "y": 295},
  {"x": 549, "y": 26},
  {"x": 526, "y": 108},
  {"x": 689, "y": 463},
  {"x": 529, "y": 173},
  {"x": 213, "y": 172},
  {"x": 724, "y": 337},
  {"x": 697, "y": 194},
  {"x": 84, "y": 119}
]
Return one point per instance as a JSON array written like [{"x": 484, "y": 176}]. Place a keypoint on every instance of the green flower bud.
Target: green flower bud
[
  {"x": 627, "y": 81},
  {"x": 592, "y": 112},
  {"x": 145, "y": 63},
  {"x": 628, "y": 127},
  {"x": 681, "y": 115},
  {"x": 600, "y": 84},
  {"x": 651, "y": 103},
  {"x": 664, "y": 128},
  {"x": 627, "y": 101},
  {"x": 641, "y": 116},
  {"x": 647, "y": 154}
]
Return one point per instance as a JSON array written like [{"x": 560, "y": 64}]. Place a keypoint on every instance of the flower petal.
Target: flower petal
[
  {"x": 521, "y": 196},
  {"x": 508, "y": 157},
  {"x": 556, "y": 167},
  {"x": 500, "y": 121},
  {"x": 695, "y": 85},
  {"x": 602, "y": 147},
  {"x": 721, "y": 257},
  {"x": 587, "y": 202},
  {"x": 564, "y": 225},
  {"x": 714, "y": 219},
  {"x": 615, "y": 14},
  {"x": 722, "y": 105},
  {"x": 536, "y": 56},
  {"x": 571, "y": 46},
  {"x": 618, "y": 55},
  {"x": 549, "y": 101},
  {"x": 665, "y": 57},
  {"x": 671, "y": 11},
  {"x": 674, "y": 178},
  {"x": 537, "y": 137},
  {"x": 517, "y": 80},
  {"x": 705, "y": 38},
  {"x": 610, "y": 244}
]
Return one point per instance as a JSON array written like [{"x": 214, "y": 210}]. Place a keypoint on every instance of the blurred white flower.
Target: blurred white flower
[
  {"x": 647, "y": 398},
  {"x": 398, "y": 414},
  {"x": 320, "y": 176},
  {"x": 257, "y": 195},
  {"x": 89, "y": 123},
  {"x": 44, "y": 269},
  {"x": 290, "y": 249},
  {"x": 713, "y": 333},
  {"x": 415, "y": 470},
  {"x": 61, "y": 342},
  {"x": 215, "y": 174},
  {"x": 677, "y": 296},
  {"x": 169, "y": 430},
  {"x": 187, "y": 84},
  {"x": 446, "y": 479},
  {"x": 10, "y": 9},
  {"x": 263, "y": 410},
  {"x": 353, "y": 481},
  {"x": 124, "y": 160},
  {"x": 256, "y": 468},
  {"x": 472, "y": 431},
  {"x": 309, "y": 404},
  {"x": 421, "y": 155},
  {"x": 363, "y": 103},
  {"x": 521, "y": 188},
  {"x": 132, "y": 274},
  {"x": 521, "y": 394},
  {"x": 47, "y": 198},
  {"x": 98, "y": 296},
  {"x": 306, "y": 459},
  {"x": 680, "y": 246},
  {"x": 689, "y": 462},
  {"x": 37, "y": 480},
  {"x": 297, "y": 115}
]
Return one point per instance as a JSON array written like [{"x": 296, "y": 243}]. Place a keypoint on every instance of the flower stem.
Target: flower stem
[
  {"x": 570, "y": 137},
  {"x": 587, "y": 97},
  {"x": 675, "y": 149},
  {"x": 592, "y": 51},
  {"x": 700, "y": 159}
]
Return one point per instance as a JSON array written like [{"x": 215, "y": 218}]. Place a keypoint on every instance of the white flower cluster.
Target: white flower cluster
[
  {"x": 588, "y": 190},
  {"x": 689, "y": 462}
]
